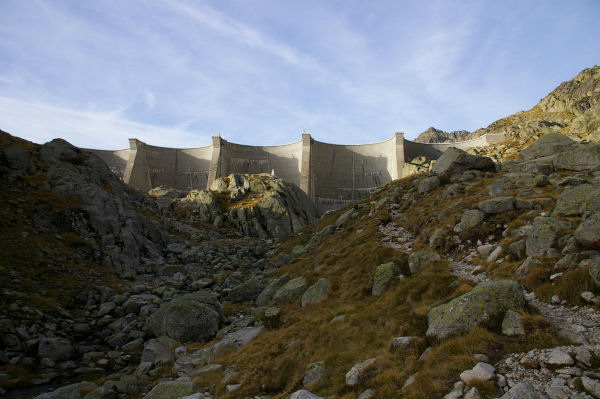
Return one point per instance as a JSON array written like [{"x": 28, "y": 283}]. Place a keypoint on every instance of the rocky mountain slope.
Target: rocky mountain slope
[
  {"x": 475, "y": 280},
  {"x": 433, "y": 135},
  {"x": 572, "y": 109}
]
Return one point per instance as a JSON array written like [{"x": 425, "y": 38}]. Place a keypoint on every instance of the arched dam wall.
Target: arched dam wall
[{"x": 331, "y": 174}]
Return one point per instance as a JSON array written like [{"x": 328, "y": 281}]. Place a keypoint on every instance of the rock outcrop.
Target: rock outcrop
[
  {"x": 257, "y": 205},
  {"x": 485, "y": 305},
  {"x": 433, "y": 135}
]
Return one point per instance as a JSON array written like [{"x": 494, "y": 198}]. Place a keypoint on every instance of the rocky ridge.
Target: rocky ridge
[{"x": 433, "y": 135}]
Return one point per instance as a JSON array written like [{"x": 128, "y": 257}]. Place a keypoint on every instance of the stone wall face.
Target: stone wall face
[{"x": 331, "y": 174}]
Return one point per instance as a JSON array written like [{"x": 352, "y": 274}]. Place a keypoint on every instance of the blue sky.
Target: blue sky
[{"x": 176, "y": 72}]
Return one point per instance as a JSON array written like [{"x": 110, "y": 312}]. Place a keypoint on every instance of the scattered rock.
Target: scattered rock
[
  {"x": 455, "y": 161},
  {"x": 428, "y": 184},
  {"x": 480, "y": 372},
  {"x": 417, "y": 259},
  {"x": 588, "y": 232},
  {"x": 513, "y": 324},
  {"x": 496, "y": 205},
  {"x": 193, "y": 317},
  {"x": 360, "y": 372},
  {"x": 314, "y": 373},
  {"x": 316, "y": 292},
  {"x": 383, "y": 277},
  {"x": 290, "y": 291},
  {"x": 484, "y": 305}
]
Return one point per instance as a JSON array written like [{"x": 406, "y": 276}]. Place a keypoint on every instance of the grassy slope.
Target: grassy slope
[{"x": 275, "y": 362}]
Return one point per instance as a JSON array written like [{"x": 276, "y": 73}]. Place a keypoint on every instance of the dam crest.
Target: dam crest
[{"x": 331, "y": 174}]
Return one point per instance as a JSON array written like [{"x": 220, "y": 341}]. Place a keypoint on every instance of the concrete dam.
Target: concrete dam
[{"x": 331, "y": 174}]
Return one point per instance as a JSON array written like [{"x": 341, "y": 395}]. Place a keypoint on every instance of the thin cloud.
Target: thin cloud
[{"x": 105, "y": 130}]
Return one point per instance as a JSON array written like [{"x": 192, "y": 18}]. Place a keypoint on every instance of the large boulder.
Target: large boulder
[
  {"x": 496, "y": 205},
  {"x": 454, "y": 161},
  {"x": 428, "y": 184},
  {"x": 267, "y": 294},
  {"x": 484, "y": 305},
  {"x": 316, "y": 292},
  {"x": 578, "y": 200},
  {"x": 290, "y": 291},
  {"x": 360, "y": 372},
  {"x": 469, "y": 219},
  {"x": 544, "y": 235},
  {"x": 159, "y": 351},
  {"x": 249, "y": 290},
  {"x": 549, "y": 144},
  {"x": 384, "y": 274},
  {"x": 588, "y": 232},
  {"x": 193, "y": 317},
  {"x": 583, "y": 157}
]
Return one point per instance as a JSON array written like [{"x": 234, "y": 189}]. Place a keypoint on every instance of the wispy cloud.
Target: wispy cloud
[
  {"x": 99, "y": 72},
  {"x": 105, "y": 130}
]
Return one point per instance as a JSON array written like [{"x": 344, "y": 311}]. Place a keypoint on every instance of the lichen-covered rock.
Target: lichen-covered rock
[
  {"x": 454, "y": 161},
  {"x": 578, "y": 200},
  {"x": 257, "y": 205},
  {"x": 469, "y": 219},
  {"x": 249, "y": 290},
  {"x": 235, "y": 340},
  {"x": 171, "y": 390},
  {"x": 496, "y": 205},
  {"x": 159, "y": 351},
  {"x": 484, "y": 305},
  {"x": 501, "y": 185},
  {"x": 428, "y": 184},
  {"x": 547, "y": 145},
  {"x": 384, "y": 274},
  {"x": 316, "y": 292},
  {"x": 290, "y": 291},
  {"x": 320, "y": 235},
  {"x": 359, "y": 372},
  {"x": 544, "y": 234},
  {"x": 314, "y": 373},
  {"x": 267, "y": 294},
  {"x": 582, "y": 157},
  {"x": 193, "y": 317},
  {"x": 588, "y": 232},
  {"x": 437, "y": 238},
  {"x": 72, "y": 391},
  {"x": 513, "y": 324},
  {"x": 298, "y": 250},
  {"x": 417, "y": 259},
  {"x": 346, "y": 217}
]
